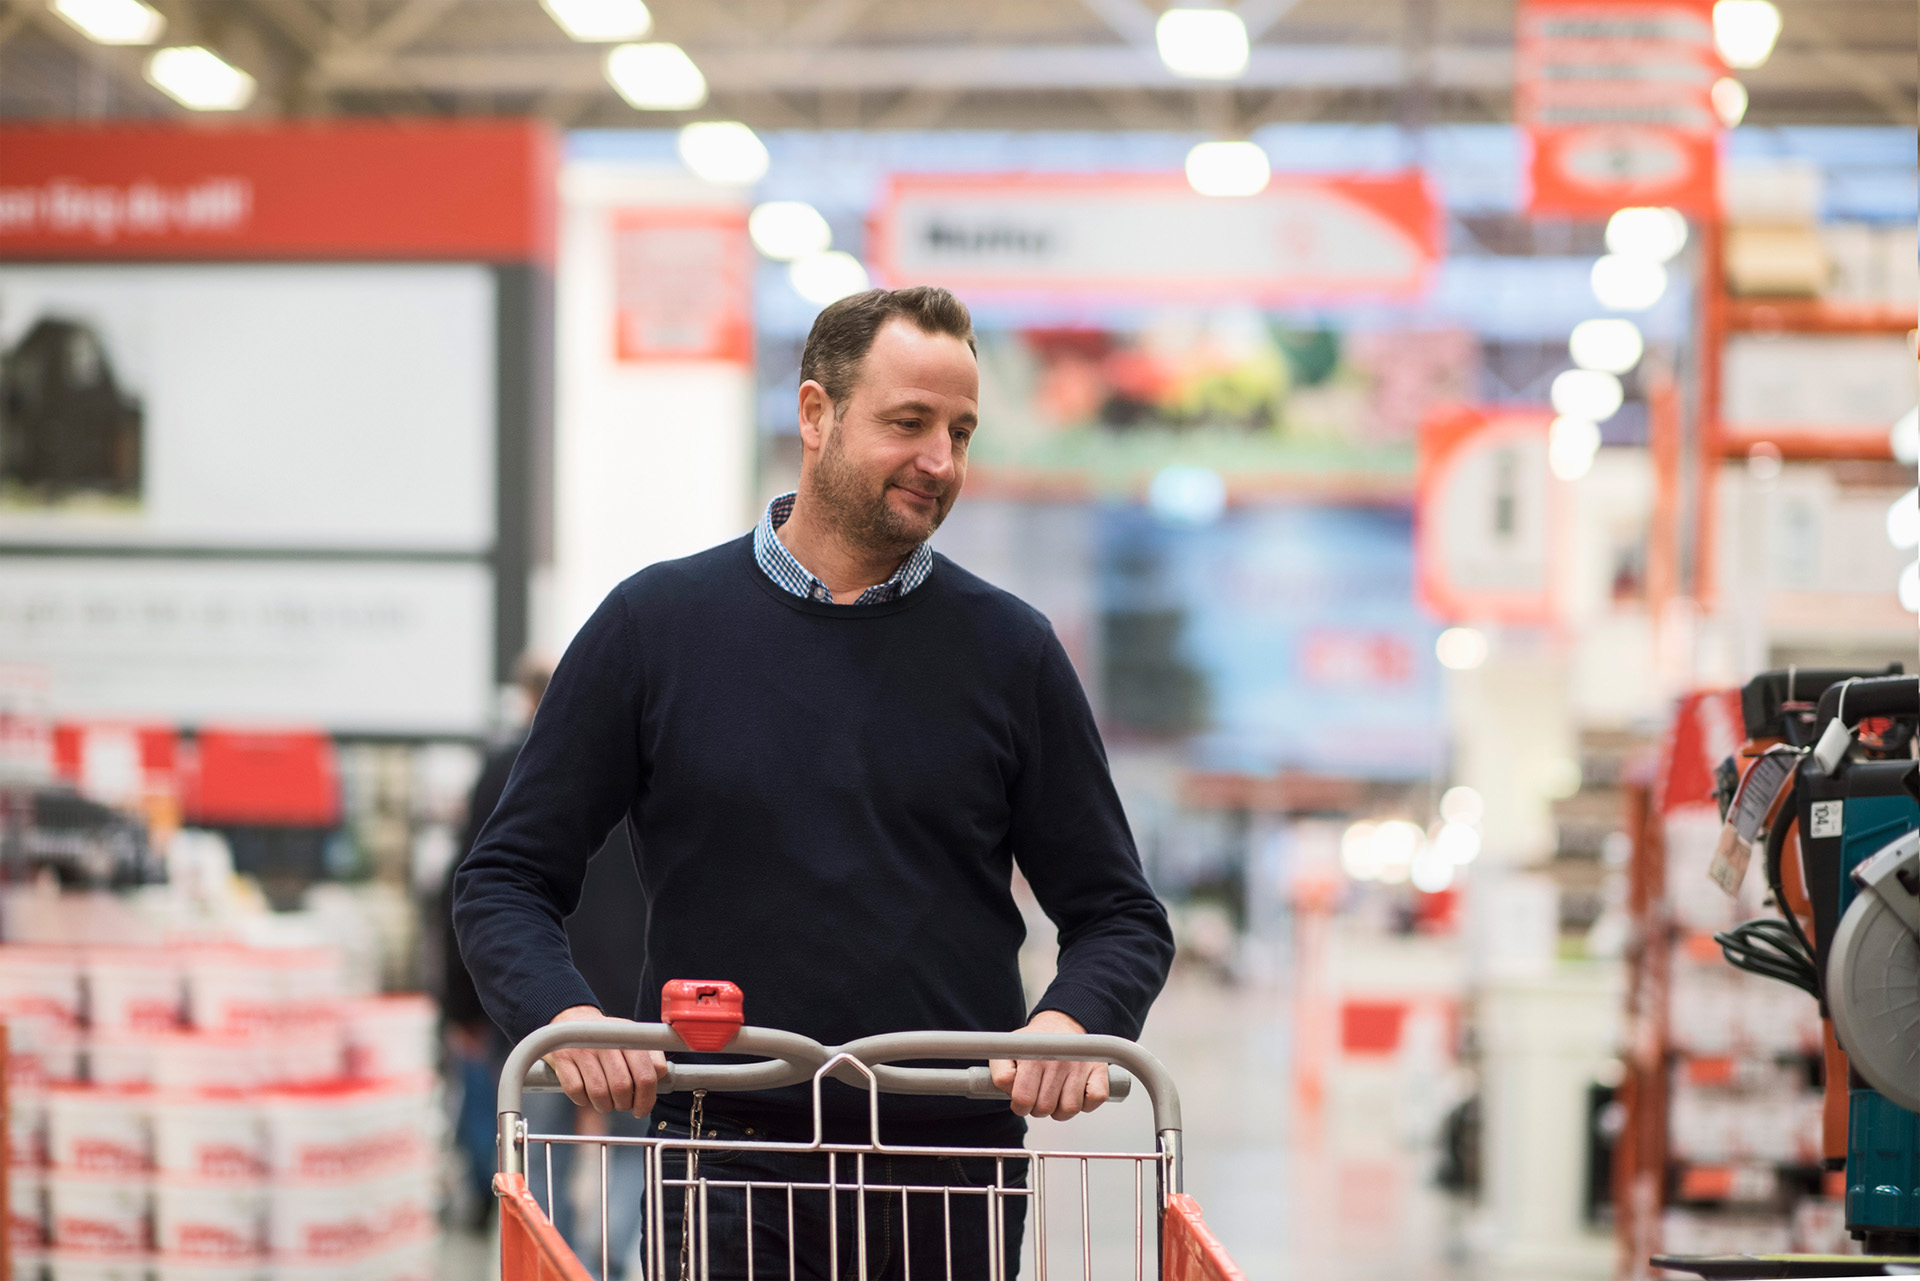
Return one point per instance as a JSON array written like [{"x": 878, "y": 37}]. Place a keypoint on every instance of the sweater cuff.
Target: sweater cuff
[
  {"x": 1092, "y": 1010},
  {"x": 542, "y": 1001}
]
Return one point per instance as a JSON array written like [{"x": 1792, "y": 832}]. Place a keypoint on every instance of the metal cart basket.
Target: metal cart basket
[{"x": 1056, "y": 1189}]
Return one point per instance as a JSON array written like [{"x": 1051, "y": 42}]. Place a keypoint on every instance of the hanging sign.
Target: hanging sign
[
  {"x": 1305, "y": 237},
  {"x": 474, "y": 190},
  {"x": 1484, "y": 528},
  {"x": 1614, "y": 96},
  {"x": 683, "y": 285}
]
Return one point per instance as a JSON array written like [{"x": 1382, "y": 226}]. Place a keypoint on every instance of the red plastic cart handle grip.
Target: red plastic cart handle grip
[{"x": 705, "y": 1013}]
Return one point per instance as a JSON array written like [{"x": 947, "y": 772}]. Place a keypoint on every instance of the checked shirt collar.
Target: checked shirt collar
[{"x": 788, "y": 574}]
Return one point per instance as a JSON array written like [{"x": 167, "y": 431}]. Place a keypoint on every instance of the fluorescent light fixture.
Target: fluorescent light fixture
[
  {"x": 1744, "y": 31},
  {"x": 113, "y": 21},
  {"x": 1613, "y": 345},
  {"x": 199, "y": 78},
  {"x": 1729, "y": 99},
  {"x": 1628, "y": 284},
  {"x": 1571, "y": 445},
  {"x": 724, "y": 151},
  {"x": 1647, "y": 232},
  {"x": 1903, "y": 520},
  {"x": 656, "y": 77},
  {"x": 1905, "y": 438},
  {"x": 1186, "y": 495},
  {"x": 827, "y": 277},
  {"x": 1461, "y": 649},
  {"x": 1586, "y": 393},
  {"x": 787, "y": 229},
  {"x": 600, "y": 21},
  {"x": 1202, "y": 44},
  {"x": 1228, "y": 169},
  {"x": 1462, "y": 804}
]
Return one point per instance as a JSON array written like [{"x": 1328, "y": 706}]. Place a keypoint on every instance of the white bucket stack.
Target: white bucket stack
[{"x": 214, "y": 1114}]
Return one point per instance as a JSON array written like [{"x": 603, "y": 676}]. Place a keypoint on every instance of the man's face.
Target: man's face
[{"x": 891, "y": 463}]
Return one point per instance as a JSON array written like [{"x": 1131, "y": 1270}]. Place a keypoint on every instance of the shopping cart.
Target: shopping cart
[{"x": 1166, "y": 1223}]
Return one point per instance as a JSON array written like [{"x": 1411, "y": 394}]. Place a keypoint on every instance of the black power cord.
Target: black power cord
[{"x": 1768, "y": 948}]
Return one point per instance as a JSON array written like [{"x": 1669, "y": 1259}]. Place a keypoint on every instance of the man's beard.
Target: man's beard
[{"x": 863, "y": 516}]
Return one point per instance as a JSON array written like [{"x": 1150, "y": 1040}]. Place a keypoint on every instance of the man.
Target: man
[{"x": 832, "y": 746}]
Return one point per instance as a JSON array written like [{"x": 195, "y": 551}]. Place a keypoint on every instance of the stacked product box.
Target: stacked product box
[
  {"x": 1743, "y": 1099},
  {"x": 215, "y": 1113}
]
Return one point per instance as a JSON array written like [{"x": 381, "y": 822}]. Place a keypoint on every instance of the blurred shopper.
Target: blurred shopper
[{"x": 831, "y": 746}]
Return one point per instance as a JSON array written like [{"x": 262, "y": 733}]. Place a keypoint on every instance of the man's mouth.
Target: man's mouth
[{"x": 920, "y": 494}]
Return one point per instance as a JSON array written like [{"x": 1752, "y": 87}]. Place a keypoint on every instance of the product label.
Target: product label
[
  {"x": 1730, "y": 859},
  {"x": 1828, "y": 818}
]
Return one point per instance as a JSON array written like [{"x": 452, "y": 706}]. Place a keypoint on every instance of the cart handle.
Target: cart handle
[{"x": 792, "y": 1059}]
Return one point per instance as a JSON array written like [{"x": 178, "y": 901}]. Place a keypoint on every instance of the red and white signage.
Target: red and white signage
[
  {"x": 1485, "y": 532},
  {"x": 1152, "y": 236},
  {"x": 478, "y": 191},
  {"x": 1615, "y": 98},
  {"x": 683, "y": 285}
]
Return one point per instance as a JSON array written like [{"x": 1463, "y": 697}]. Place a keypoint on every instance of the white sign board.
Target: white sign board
[
  {"x": 1152, "y": 235},
  {"x": 320, "y": 406},
  {"x": 366, "y": 647}
]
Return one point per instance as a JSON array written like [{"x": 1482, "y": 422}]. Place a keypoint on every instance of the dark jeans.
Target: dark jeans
[{"x": 933, "y": 1236}]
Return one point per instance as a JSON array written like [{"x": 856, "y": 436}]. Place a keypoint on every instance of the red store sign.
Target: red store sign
[{"x": 479, "y": 191}]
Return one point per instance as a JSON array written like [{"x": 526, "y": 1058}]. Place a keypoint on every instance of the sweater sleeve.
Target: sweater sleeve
[
  {"x": 574, "y": 778},
  {"x": 1070, "y": 838}
]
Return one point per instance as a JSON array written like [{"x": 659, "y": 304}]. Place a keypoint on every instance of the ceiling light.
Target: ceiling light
[
  {"x": 656, "y": 77},
  {"x": 787, "y": 229},
  {"x": 1586, "y": 393},
  {"x": 1910, "y": 589},
  {"x": 1764, "y": 461},
  {"x": 200, "y": 78},
  {"x": 1459, "y": 842},
  {"x": 1228, "y": 169},
  {"x": 113, "y": 21},
  {"x": 1571, "y": 445},
  {"x": 1744, "y": 31},
  {"x": 1432, "y": 869},
  {"x": 1395, "y": 844},
  {"x": 1614, "y": 346},
  {"x": 1729, "y": 98},
  {"x": 1204, "y": 44},
  {"x": 1650, "y": 233},
  {"x": 1462, "y": 804},
  {"x": 724, "y": 151},
  {"x": 1460, "y": 649},
  {"x": 1903, "y": 520},
  {"x": 1905, "y": 438},
  {"x": 1628, "y": 284},
  {"x": 828, "y": 277},
  {"x": 1356, "y": 852},
  {"x": 600, "y": 21}
]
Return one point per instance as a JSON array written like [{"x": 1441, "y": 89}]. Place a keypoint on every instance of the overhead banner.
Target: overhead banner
[
  {"x": 426, "y": 190},
  {"x": 1615, "y": 98},
  {"x": 1485, "y": 536},
  {"x": 1304, "y": 238}
]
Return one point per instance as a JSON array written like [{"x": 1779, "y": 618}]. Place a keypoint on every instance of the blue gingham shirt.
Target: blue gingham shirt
[{"x": 788, "y": 574}]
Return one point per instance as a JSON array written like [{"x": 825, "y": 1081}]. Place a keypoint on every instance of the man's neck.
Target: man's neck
[{"x": 846, "y": 568}]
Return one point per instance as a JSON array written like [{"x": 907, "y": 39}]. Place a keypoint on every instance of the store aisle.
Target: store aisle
[{"x": 1346, "y": 1199}]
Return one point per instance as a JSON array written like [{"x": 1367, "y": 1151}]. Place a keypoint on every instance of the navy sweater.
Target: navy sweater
[{"x": 827, "y": 804}]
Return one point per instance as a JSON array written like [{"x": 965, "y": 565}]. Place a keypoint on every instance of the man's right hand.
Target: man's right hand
[{"x": 606, "y": 1080}]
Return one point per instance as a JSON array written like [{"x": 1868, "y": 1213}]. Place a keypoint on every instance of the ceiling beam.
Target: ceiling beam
[{"x": 1481, "y": 70}]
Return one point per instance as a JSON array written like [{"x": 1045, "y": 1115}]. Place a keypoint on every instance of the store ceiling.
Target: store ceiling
[{"x": 889, "y": 64}]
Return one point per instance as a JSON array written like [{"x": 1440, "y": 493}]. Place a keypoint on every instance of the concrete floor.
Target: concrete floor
[{"x": 1341, "y": 1197}]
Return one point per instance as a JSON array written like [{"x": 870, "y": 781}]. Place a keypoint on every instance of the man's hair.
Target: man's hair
[{"x": 843, "y": 333}]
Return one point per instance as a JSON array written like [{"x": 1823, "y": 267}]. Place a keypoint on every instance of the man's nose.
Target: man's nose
[{"x": 936, "y": 458}]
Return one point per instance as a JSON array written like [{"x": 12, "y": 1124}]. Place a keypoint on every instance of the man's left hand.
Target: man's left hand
[{"x": 1049, "y": 1087}]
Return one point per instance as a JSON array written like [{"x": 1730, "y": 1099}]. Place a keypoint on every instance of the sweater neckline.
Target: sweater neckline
[{"x": 805, "y": 605}]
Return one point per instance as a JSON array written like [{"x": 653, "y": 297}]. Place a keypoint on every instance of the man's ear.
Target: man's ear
[{"x": 816, "y": 415}]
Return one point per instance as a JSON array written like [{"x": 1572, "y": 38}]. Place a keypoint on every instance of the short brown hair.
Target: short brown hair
[{"x": 844, "y": 331}]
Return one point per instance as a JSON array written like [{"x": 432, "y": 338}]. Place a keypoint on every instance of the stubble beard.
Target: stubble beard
[{"x": 860, "y": 513}]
